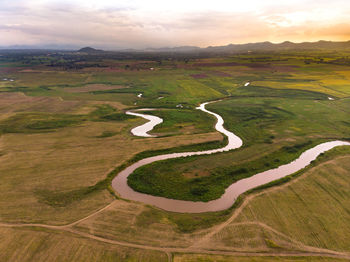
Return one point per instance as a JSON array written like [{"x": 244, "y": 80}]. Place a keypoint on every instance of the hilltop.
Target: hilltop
[{"x": 89, "y": 50}]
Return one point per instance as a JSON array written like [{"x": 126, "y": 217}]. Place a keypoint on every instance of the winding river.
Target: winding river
[
  {"x": 143, "y": 130},
  {"x": 120, "y": 184}
]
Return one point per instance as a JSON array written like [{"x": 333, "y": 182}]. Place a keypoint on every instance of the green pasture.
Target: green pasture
[{"x": 274, "y": 130}]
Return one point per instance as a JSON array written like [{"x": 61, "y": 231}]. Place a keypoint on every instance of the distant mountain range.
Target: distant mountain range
[
  {"x": 231, "y": 48},
  {"x": 262, "y": 46},
  {"x": 174, "y": 49},
  {"x": 287, "y": 45}
]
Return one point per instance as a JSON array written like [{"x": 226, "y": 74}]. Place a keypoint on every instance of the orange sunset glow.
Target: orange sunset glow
[{"x": 139, "y": 24}]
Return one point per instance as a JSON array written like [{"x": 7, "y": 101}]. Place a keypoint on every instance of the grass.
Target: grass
[
  {"x": 59, "y": 198},
  {"x": 35, "y": 244},
  {"x": 38, "y": 122},
  {"x": 57, "y": 176},
  {"x": 187, "y": 148},
  {"x": 177, "y": 121},
  {"x": 43, "y": 122},
  {"x": 62, "y": 199},
  {"x": 58, "y": 146},
  {"x": 143, "y": 223},
  {"x": 108, "y": 113},
  {"x": 222, "y": 258},
  {"x": 107, "y": 134},
  {"x": 173, "y": 184},
  {"x": 313, "y": 224},
  {"x": 136, "y": 223},
  {"x": 255, "y": 90},
  {"x": 185, "y": 223},
  {"x": 189, "y": 223},
  {"x": 282, "y": 127}
]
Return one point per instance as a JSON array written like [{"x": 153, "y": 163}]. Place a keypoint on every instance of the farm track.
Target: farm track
[
  {"x": 199, "y": 246},
  {"x": 309, "y": 251}
]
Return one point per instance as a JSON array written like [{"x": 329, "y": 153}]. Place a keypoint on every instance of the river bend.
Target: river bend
[{"x": 121, "y": 186}]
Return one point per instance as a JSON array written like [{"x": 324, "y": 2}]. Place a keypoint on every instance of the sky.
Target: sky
[{"x": 120, "y": 24}]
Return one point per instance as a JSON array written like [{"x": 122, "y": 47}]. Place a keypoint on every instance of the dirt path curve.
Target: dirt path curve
[
  {"x": 170, "y": 251},
  {"x": 91, "y": 215},
  {"x": 216, "y": 229},
  {"x": 199, "y": 246},
  {"x": 202, "y": 243}
]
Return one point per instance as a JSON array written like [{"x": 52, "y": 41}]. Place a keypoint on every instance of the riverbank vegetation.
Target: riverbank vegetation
[{"x": 275, "y": 130}]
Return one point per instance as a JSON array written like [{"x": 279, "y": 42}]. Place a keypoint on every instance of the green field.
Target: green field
[
  {"x": 274, "y": 130},
  {"x": 64, "y": 135}
]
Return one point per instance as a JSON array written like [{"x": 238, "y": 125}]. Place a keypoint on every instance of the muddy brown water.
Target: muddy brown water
[{"x": 120, "y": 184}]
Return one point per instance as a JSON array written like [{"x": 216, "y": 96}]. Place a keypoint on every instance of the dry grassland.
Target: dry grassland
[
  {"x": 68, "y": 159},
  {"x": 41, "y": 245},
  {"x": 222, "y": 258}
]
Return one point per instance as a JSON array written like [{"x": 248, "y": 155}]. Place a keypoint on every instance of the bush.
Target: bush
[{"x": 199, "y": 191}]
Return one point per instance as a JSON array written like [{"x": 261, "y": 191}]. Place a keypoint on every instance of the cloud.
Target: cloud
[{"x": 137, "y": 24}]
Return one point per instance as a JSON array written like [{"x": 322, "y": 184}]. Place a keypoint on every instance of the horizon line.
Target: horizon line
[{"x": 73, "y": 48}]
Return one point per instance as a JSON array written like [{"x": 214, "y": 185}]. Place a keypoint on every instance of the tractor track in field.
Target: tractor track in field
[{"x": 309, "y": 252}]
